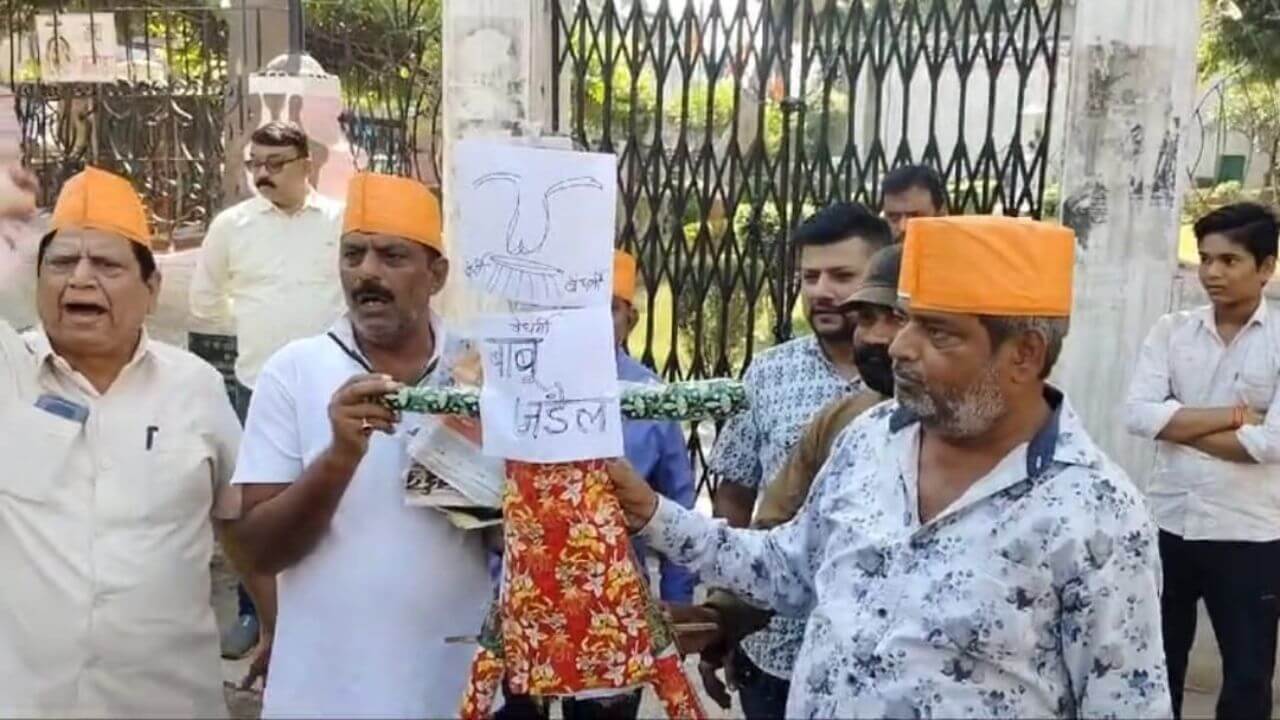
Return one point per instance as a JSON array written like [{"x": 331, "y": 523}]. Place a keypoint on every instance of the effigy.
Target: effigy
[
  {"x": 533, "y": 229},
  {"x": 573, "y": 615}
]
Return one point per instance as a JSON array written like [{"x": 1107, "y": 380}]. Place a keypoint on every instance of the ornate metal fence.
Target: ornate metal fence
[
  {"x": 159, "y": 116},
  {"x": 149, "y": 104},
  {"x": 733, "y": 119},
  {"x": 388, "y": 55}
]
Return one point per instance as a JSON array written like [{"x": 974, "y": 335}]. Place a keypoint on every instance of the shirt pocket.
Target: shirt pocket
[
  {"x": 319, "y": 264},
  {"x": 1256, "y": 384},
  {"x": 179, "y": 484},
  {"x": 36, "y": 446},
  {"x": 998, "y": 618}
]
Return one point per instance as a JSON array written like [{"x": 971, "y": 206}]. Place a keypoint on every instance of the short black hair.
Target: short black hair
[
  {"x": 900, "y": 180},
  {"x": 281, "y": 133},
  {"x": 146, "y": 259},
  {"x": 842, "y": 221},
  {"x": 1250, "y": 225}
]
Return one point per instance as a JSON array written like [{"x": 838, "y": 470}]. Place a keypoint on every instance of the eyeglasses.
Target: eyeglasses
[
  {"x": 100, "y": 266},
  {"x": 273, "y": 165}
]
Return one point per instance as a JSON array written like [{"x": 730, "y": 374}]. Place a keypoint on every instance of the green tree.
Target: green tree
[{"x": 1240, "y": 49}]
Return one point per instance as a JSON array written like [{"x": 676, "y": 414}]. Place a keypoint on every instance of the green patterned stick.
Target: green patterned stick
[{"x": 693, "y": 400}]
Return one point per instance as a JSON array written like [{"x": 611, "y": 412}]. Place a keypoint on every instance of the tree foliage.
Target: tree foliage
[
  {"x": 388, "y": 52},
  {"x": 1240, "y": 52},
  {"x": 1238, "y": 38}
]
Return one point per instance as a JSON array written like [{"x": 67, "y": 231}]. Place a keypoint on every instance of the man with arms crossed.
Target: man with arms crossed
[{"x": 1205, "y": 389}]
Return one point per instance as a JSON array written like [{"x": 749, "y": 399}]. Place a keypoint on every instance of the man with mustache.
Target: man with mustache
[
  {"x": 1206, "y": 388},
  {"x": 787, "y": 385},
  {"x": 268, "y": 267},
  {"x": 118, "y": 452},
  {"x": 369, "y": 587},
  {"x": 875, "y": 306},
  {"x": 967, "y": 550}
]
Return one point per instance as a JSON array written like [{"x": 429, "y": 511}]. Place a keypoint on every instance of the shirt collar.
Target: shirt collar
[
  {"x": 1059, "y": 443},
  {"x": 1259, "y": 317},
  {"x": 313, "y": 202},
  {"x": 344, "y": 334},
  {"x": 1061, "y": 439},
  {"x": 41, "y": 349},
  {"x": 813, "y": 346}
]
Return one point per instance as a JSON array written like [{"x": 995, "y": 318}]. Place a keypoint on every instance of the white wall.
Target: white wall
[{"x": 1203, "y": 148}]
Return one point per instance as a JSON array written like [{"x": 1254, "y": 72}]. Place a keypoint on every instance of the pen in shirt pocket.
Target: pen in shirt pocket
[{"x": 152, "y": 431}]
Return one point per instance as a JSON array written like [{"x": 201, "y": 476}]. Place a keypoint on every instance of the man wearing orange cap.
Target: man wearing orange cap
[
  {"x": 368, "y": 587},
  {"x": 655, "y": 449},
  {"x": 119, "y": 452},
  {"x": 966, "y": 551}
]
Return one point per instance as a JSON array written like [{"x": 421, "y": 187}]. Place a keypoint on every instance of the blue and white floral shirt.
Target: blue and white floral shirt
[
  {"x": 1035, "y": 594},
  {"x": 787, "y": 385}
]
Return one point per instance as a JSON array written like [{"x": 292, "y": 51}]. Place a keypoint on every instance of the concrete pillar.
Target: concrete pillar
[
  {"x": 497, "y": 83},
  {"x": 1132, "y": 88}
]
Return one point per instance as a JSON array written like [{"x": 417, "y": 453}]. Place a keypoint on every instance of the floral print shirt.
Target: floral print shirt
[
  {"x": 1035, "y": 594},
  {"x": 787, "y": 385}
]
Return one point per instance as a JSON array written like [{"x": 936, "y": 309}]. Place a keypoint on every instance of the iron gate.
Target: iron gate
[
  {"x": 164, "y": 117},
  {"x": 733, "y": 119},
  {"x": 154, "y": 112}
]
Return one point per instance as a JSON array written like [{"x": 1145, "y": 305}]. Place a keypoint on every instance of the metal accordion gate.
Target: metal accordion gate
[{"x": 734, "y": 119}]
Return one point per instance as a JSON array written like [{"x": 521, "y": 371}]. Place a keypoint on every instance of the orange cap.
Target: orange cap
[
  {"x": 98, "y": 200},
  {"x": 390, "y": 205},
  {"x": 987, "y": 265},
  {"x": 624, "y": 275}
]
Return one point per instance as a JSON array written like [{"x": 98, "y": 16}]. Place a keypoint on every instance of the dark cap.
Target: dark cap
[{"x": 879, "y": 285}]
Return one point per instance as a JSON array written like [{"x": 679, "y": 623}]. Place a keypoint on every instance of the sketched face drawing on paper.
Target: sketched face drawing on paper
[{"x": 523, "y": 270}]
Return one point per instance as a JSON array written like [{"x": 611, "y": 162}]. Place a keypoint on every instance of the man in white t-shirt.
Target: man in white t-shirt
[{"x": 368, "y": 588}]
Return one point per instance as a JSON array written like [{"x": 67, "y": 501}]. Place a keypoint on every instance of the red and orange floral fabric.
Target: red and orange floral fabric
[{"x": 574, "y": 615}]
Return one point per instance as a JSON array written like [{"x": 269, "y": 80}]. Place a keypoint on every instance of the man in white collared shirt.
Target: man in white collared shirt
[
  {"x": 118, "y": 453},
  {"x": 1205, "y": 389},
  {"x": 369, "y": 587},
  {"x": 269, "y": 263}
]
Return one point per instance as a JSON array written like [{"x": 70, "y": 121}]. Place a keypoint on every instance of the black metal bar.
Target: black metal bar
[{"x": 297, "y": 32}]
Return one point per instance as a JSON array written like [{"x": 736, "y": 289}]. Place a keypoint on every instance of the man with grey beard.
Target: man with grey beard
[{"x": 967, "y": 550}]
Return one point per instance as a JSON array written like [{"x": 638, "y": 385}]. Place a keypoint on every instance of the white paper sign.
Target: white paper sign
[
  {"x": 77, "y": 47},
  {"x": 536, "y": 226},
  {"x": 550, "y": 386}
]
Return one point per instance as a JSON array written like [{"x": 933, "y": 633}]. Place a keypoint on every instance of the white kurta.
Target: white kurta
[{"x": 106, "y": 537}]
